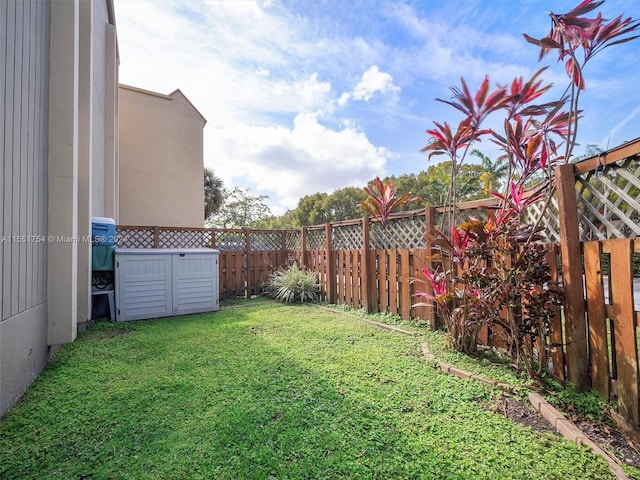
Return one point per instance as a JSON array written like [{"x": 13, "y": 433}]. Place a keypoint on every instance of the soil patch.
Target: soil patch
[
  {"x": 610, "y": 439},
  {"x": 521, "y": 411},
  {"x": 607, "y": 437}
]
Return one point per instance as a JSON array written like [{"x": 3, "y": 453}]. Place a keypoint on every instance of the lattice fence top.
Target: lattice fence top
[
  {"x": 316, "y": 240},
  {"x": 265, "y": 241},
  {"x": 549, "y": 222},
  {"x": 140, "y": 238},
  {"x": 347, "y": 237},
  {"x": 608, "y": 204},
  {"x": 231, "y": 241},
  {"x": 293, "y": 240},
  {"x": 404, "y": 232},
  {"x": 184, "y": 239},
  {"x": 609, "y": 201}
]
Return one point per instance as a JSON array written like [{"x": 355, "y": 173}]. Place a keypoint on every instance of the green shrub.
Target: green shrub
[{"x": 293, "y": 285}]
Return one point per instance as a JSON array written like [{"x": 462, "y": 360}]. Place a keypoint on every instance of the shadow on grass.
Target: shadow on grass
[{"x": 267, "y": 391}]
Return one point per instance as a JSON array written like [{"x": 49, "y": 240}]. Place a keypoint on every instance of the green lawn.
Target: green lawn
[{"x": 266, "y": 391}]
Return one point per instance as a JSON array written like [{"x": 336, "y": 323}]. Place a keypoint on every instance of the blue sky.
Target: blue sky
[{"x": 311, "y": 96}]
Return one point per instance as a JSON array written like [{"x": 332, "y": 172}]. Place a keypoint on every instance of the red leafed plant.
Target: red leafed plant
[
  {"x": 490, "y": 273},
  {"x": 572, "y": 33},
  {"x": 381, "y": 200}
]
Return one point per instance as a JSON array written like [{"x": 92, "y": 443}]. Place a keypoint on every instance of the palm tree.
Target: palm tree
[
  {"x": 493, "y": 171},
  {"x": 213, "y": 193}
]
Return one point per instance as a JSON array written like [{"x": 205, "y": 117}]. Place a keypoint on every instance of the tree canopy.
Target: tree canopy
[
  {"x": 240, "y": 209},
  {"x": 213, "y": 193}
]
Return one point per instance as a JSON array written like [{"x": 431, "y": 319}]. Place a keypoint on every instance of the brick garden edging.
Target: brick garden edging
[{"x": 371, "y": 322}]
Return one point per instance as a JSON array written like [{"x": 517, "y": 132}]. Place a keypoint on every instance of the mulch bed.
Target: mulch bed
[{"x": 608, "y": 437}]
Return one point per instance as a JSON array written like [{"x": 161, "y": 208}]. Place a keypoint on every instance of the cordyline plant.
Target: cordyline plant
[
  {"x": 381, "y": 200},
  {"x": 488, "y": 276},
  {"x": 489, "y": 273}
]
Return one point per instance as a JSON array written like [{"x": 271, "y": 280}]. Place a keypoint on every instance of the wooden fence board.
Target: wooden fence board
[
  {"x": 250, "y": 259},
  {"x": 392, "y": 276},
  {"x": 373, "y": 280},
  {"x": 405, "y": 287},
  {"x": 598, "y": 338},
  {"x": 626, "y": 349},
  {"x": 222, "y": 273},
  {"x": 348, "y": 276},
  {"x": 415, "y": 268},
  {"x": 226, "y": 269},
  {"x": 383, "y": 278},
  {"x": 555, "y": 334},
  {"x": 341, "y": 298},
  {"x": 355, "y": 275},
  {"x": 330, "y": 265},
  {"x": 365, "y": 266},
  {"x": 240, "y": 272}
]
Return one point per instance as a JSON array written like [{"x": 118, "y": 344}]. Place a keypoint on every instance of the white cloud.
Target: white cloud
[
  {"x": 287, "y": 164},
  {"x": 372, "y": 81},
  {"x": 344, "y": 99},
  {"x": 305, "y": 95}
]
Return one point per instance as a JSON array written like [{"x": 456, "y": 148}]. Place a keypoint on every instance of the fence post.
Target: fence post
[
  {"x": 364, "y": 265},
  {"x": 156, "y": 236},
  {"x": 574, "y": 310},
  {"x": 330, "y": 265},
  {"x": 248, "y": 263},
  {"x": 303, "y": 247}
]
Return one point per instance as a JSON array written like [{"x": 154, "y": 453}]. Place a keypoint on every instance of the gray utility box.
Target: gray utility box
[{"x": 162, "y": 282}]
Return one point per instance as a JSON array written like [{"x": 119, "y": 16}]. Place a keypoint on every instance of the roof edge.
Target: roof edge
[
  {"x": 177, "y": 90},
  {"x": 146, "y": 92}
]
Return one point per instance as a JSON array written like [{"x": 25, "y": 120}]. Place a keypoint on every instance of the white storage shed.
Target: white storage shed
[{"x": 162, "y": 282}]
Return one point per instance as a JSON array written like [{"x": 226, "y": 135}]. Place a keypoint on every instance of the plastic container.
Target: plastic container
[
  {"x": 102, "y": 258},
  {"x": 103, "y": 231}
]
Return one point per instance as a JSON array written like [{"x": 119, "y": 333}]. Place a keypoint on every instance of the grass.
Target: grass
[{"x": 262, "y": 390}]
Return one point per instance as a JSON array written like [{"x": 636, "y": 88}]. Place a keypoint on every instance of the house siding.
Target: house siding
[
  {"x": 58, "y": 65},
  {"x": 24, "y": 95}
]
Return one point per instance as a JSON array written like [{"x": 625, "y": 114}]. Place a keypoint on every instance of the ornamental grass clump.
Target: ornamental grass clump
[{"x": 293, "y": 285}]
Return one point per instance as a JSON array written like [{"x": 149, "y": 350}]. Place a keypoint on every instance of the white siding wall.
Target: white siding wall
[
  {"x": 24, "y": 72},
  {"x": 23, "y": 146},
  {"x": 98, "y": 110},
  {"x": 47, "y": 167}
]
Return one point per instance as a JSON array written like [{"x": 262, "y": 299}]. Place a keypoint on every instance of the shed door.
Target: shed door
[
  {"x": 144, "y": 286},
  {"x": 194, "y": 283}
]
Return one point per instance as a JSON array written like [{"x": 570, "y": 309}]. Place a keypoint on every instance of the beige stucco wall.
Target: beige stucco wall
[
  {"x": 54, "y": 66},
  {"x": 160, "y": 159}
]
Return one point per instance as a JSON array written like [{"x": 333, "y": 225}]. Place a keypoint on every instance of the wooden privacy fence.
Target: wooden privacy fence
[
  {"x": 613, "y": 319},
  {"x": 247, "y": 257},
  {"x": 588, "y": 225}
]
